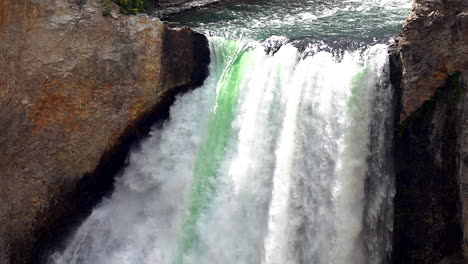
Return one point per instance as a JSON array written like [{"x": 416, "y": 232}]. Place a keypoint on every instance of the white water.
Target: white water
[{"x": 276, "y": 159}]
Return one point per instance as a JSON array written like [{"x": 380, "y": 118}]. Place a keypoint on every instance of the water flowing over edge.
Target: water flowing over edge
[{"x": 275, "y": 159}]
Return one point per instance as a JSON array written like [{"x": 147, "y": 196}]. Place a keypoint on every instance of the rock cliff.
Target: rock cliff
[
  {"x": 430, "y": 72},
  {"x": 75, "y": 89},
  {"x": 433, "y": 46}
]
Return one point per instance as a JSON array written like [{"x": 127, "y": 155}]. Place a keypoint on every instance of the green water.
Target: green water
[
  {"x": 212, "y": 149},
  {"x": 334, "y": 22}
]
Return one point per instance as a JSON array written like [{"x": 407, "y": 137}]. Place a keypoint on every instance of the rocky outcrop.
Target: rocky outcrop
[
  {"x": 75, "y": 89},
  {"x": 430, "y": 72},
  {"x": 433, "y": 46}
]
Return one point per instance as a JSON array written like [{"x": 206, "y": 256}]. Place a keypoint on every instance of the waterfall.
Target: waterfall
[{"x": 277, "y": 159}]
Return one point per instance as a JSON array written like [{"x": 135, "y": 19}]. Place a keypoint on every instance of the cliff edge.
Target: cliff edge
[
  {"x": 433, "y": 46},
  {"x": 75, "y": 89},
  {"x": 430, "y": 73}
]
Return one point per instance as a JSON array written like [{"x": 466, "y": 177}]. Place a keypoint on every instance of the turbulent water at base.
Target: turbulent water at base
[{"x": 279, "y": 158}]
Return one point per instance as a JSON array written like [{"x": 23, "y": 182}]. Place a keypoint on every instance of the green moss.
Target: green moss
[
  {"x": 132, "y": 7},
  {"x": 400, "y": 214},
  {"x": 456, "y": 90},
  {"x": 106, "y": 10}
]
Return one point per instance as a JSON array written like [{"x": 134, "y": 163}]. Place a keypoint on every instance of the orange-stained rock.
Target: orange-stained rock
[
  {"x": 72, "y": 84},
  {"x": 433, "y": 45}
]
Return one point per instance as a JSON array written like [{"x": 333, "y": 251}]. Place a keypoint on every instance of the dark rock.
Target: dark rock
[{"x": 429, "y": 70}]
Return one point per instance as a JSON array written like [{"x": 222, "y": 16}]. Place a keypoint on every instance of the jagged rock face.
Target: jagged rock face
[
  {"x": 73, "y": 86},
  {"x": 431, "y": 73},
  {"x": 433, "y": 45}
]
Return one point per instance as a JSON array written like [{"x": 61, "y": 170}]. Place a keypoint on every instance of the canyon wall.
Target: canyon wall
[
  {"x": 430, "y": 71},
  {"x": 76, "y": 88}
]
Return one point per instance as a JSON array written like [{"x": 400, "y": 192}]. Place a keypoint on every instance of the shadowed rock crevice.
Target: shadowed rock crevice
[{"x": 427, "y": 208}]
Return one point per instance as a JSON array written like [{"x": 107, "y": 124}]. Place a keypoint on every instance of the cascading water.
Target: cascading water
[{"x": 278, "y": 158}]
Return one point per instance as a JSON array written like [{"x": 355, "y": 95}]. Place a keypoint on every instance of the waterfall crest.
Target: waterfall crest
[{"x": 276, "y": 159}]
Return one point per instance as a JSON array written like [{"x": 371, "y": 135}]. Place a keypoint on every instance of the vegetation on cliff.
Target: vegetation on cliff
[{"x": 129, "y": 7}]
